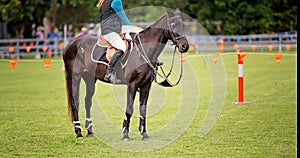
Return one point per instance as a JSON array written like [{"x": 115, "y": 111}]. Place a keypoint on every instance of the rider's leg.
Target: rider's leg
[{"x": 116, "y": 41}]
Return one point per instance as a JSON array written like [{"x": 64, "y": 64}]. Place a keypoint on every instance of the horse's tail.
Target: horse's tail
[
  {"x": 69, "y": 92},
  {"x": 68, "y": 74}
]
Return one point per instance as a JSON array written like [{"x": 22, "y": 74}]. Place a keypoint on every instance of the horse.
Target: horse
[{"x": 138, "y": 74}]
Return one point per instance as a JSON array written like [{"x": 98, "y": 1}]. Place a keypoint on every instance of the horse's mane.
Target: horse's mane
[{"x": 155, "y": 24}]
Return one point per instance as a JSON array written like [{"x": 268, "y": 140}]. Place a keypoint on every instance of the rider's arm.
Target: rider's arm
[{"x": 117, "y": 6}]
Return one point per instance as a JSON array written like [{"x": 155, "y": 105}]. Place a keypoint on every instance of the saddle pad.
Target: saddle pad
[{"x": 98, "y": 54}]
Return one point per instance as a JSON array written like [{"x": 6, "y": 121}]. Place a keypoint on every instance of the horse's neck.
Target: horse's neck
[{"x": 155, "y": 38}]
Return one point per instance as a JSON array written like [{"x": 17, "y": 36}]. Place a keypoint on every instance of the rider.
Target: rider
[{"x": 112, "y": 18}]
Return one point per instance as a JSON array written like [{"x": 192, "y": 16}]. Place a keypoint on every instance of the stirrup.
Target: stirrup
[{"x": 107, "y": 77}]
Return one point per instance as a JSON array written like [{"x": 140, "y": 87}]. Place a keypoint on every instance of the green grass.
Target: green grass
[{"x": 35, "y": 123}]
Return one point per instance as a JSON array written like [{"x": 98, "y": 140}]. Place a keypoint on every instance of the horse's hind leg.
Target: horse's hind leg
[
  {"x": 75, "y": 103},
  {"x": 90, "y": 90},
  {"x": 144, "y": 94}
]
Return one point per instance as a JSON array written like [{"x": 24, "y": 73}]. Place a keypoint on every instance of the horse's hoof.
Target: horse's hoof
[
  {"x": 79, "y": 136},
  {"x": 145, "y": 136},
  {"x": 90, "y": 135},
  {"x": 126, "y": 138},
  {"x": 79, "y": 140}
]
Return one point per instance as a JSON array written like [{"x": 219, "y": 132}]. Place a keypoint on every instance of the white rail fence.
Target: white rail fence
[{"x": 22, "y": 48}]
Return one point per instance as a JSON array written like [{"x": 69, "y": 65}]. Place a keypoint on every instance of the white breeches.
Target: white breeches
[{"x": 115, "y": 40}]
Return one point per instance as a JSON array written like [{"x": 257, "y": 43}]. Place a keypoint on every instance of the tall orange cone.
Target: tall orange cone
[
  {"x": 13, "y": 63},
  {"x": 278, "y": 57},
  {"x": 215, "y": 57},
  {"x": 47, "y": 63},
  {"x": 241, "y": 55}
]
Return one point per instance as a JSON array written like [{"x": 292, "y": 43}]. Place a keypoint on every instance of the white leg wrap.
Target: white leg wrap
[
  {"x": 88, "y": 119},
  {"x": 74, "y": 122},
  {"x": 90, "y": 125},
  {"x": 77, "y": 126}
]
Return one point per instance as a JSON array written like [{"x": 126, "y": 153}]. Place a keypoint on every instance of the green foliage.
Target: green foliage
[
  {"x": 235, "y": 16},
  {"x": 249, "y": 17}
]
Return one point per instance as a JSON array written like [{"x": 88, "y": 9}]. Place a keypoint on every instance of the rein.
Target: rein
[{"x": 166, "y": 82}]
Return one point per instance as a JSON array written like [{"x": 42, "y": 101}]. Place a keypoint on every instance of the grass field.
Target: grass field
[{"x": 35, "y": 122}]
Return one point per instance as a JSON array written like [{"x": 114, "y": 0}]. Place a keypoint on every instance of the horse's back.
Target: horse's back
[{"x": 79, "y": 44}]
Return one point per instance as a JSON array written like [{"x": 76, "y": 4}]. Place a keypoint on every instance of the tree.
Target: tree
[
  {"x": 22, "y": 14},
  {"x": 249, "y": 17},
  {"x": 233, "y": 16}
]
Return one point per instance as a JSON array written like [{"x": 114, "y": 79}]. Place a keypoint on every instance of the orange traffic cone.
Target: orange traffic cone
[
  {"x": 13, "y": 63},
  {"x": 278, "y": 57},
  {"x": 47, "y": 63}
]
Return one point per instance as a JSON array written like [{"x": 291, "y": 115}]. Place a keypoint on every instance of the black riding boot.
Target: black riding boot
[{"x": 112, "y": 63}]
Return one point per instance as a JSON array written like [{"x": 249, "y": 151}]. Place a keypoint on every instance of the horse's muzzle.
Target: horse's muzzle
[{"x": 183, "y": 45}]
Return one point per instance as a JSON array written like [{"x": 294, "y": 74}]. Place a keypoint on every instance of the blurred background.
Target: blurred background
[{"x": 269, "y": 21}]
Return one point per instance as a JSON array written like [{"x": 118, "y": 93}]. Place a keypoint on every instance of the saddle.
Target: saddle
[
  {"x": 103, "y": 51},
  {"x": 110, "y": 49}
]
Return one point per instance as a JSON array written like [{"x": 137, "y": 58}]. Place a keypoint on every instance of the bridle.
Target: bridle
[{"x": 175, "y": 39}]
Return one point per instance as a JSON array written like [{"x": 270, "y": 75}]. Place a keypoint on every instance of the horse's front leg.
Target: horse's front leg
[
  {"x": 90, "y": 90},
  {"x": 131, "y": 92},
  {"x": 144, "y": 94},
  {"x": 75, "y": 104}
]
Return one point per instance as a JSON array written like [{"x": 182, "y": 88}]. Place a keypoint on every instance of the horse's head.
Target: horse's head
[{"x": 176, "y": 30}]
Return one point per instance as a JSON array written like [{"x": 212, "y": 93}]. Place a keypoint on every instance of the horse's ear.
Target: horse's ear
[
  {"x": 177, "y": 11},
  {"x": 170, "y": 13}
]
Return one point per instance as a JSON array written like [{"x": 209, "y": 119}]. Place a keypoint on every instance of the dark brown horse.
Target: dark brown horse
[{"x": 138, "y": 73}]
